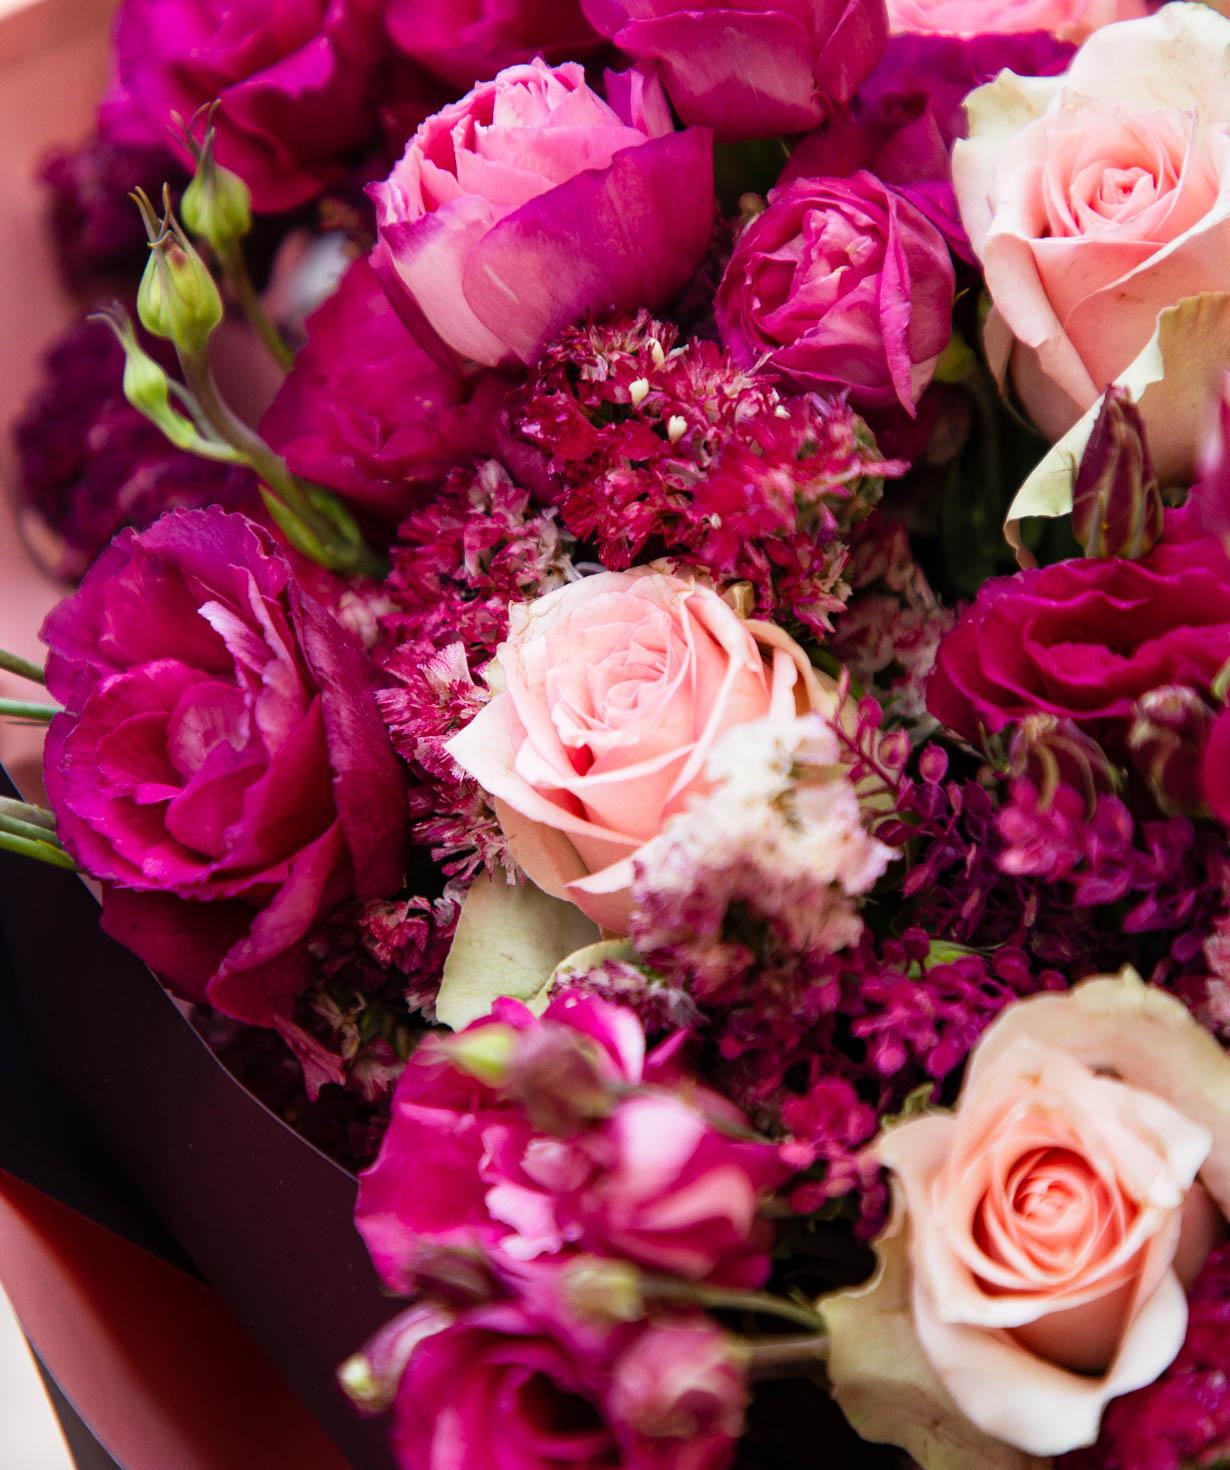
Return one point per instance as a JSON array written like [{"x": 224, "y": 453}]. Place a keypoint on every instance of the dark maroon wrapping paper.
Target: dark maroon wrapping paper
[{"x": 264, "y": 1216}]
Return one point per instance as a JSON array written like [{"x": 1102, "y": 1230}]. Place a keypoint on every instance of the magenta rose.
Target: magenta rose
[
  {"x": 365, "y": 409},
  {"x": 532, "y": 201},
  {"x": 295, "y": 82},
  {"x": 842, "y": 283},
  {"x": 646, "y": 1173},
  {"x": 750, "y": 70},
  {"x": 498, "y": 1389},
  {"x": 1087, "y": 638},
  {"x": 220, "y": 765},
  {"x": 469, "y": 42}
]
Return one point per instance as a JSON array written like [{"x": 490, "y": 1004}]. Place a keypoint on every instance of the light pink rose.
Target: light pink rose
[
  {"x": 1096, "y": 199},
  {"x": 1056, "y": 1216},
  {"x": 615, "y": 689},
  {"x": 1068, "y": 20}
]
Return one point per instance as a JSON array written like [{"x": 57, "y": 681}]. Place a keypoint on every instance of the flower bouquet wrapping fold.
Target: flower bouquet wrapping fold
[{"x": 633, "y": 635}]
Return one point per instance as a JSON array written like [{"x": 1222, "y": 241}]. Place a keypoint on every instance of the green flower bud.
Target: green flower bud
[
  {"x": 177, "y": 298},
  {"x": 217, "y": 204}
]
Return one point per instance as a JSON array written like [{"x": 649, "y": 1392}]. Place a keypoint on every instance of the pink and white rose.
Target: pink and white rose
[
  {"x": 1069, "y": 20},
  {"x": 613, "y": 692},
  {"x": 1095, "y": 200},
  {"x": 1056, "y": 1216}
]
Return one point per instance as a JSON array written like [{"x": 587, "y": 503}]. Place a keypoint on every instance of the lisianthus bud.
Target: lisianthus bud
[
  {"x": 559, "y": 1077},
  {"x": 370, "y": 1378},
  {"x": 484, "y": 1052},
  {"x": 596, "y": 1289},
  {"x": 177, "y": 297},
  {"x": 1166, "y": 739},
  {"x": 217, "y": 204},
  {"x": 1116, "y": 501},
  {"x": 683, "y": 1380},
  {"x": 1049, "y": 751}
]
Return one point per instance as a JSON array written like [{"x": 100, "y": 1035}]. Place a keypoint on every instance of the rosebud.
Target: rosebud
[
  {"x": 1116, "y": 501},
  {"x": 370, "y": 1378},
  {"x": 217, "y": 204},
  {"x": 1166, "y": 739},
  {"x": 1047, "y": 750},
  {"x": 559, "y": 1077},
  {"x": 177, "y": 298},
  {"x": 684, "y": 1379},
  {"x": 1213, "y": 492}
]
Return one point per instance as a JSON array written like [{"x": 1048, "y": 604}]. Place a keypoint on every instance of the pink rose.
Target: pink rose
[
  {"x": 1096, "y": 199},
  {"x": 1070, "y": 20},
  {"x": 532, "y": 201},
  {"x": 1056, "y": 1216},
  {"x": 615, "y": 689}
]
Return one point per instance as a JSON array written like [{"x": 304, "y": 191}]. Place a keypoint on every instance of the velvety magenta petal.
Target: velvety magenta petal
[
  {"x": 369, "y": 787},
  {"x": 744, "y": 74},
  {"x": 610, "y": 240},
  {"x": 182, "y": 942}
]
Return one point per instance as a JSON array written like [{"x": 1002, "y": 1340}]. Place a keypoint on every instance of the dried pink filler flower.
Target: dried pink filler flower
[
  {"x": 665, "y": 448},
  {"x": 456, "y": 565},
  {"x": 778, "y": 845}
]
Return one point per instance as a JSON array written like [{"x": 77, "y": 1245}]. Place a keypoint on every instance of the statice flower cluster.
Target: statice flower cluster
[
  {"x": 768, "y": 863},
  {"x": 662, "y": 447},
  {"x": 456, "y": 566}
]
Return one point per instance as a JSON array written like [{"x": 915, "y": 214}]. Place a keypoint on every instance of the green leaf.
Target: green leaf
[{"x": 510, "y": 938}]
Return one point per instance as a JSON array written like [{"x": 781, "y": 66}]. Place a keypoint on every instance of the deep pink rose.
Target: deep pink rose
[
  {"x": 532, "y": 201},
  {"x": 843, "y": 283},
  {"x": 615, "y": 689},
  {"x": 365, "y": 410},
  {"x": 1070, "y": 20},
  {"x": 295, "y": 80},
  {"x": 647, "y": 1176},
  {"x": 221, "y": 765},
  {"x": 496, "y": 1389},
  {"x": 471, "y": 41},
  {"x": 1056, "y": 1216},
  {"x": 1086, "y": 638},
  {"x": 750, "y": 70}
]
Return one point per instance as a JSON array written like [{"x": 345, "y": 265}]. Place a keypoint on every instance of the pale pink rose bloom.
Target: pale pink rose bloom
[
  {"x": 1057, "y": 1215},
  {"x": 1096, "y": 199},
  {"x": 1068, "y": 20},
  {"x": 616, "y": 688}
]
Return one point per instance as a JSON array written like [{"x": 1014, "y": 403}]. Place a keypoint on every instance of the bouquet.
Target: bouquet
[{"x": 646, "y": 657}]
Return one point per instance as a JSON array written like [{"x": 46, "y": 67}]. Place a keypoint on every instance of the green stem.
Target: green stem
[
  {"x": 765, "y": 1355},
  {"x": 306, "y": 526},
  {"x": 20, "y": 709},
  {"x": 667, "y": 1288},
  {"x": 42, "y": 851},
  {"x": 15, "y": 664},
  {"x": 235, "y": 268},
  {"x": 25, "y": 811},
  {"x": 17, "y": 827}
]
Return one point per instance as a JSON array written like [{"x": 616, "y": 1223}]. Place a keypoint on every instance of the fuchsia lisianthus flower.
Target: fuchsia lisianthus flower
[
  {"x": 1086, "y": 638},
  {"x": 295, "y": 81},
  {"x": 469, "y": 42},
  {"x": 532, "y": 201},
  {"x": 612, "y": 693},
  {"x": 841, "y": 283},
  {"x": 750, "y": 70},
  {"x": 1070, "y": 20},
  {"x": 1056, "y": 1216},
  {"x": 1096, "y": 199},
  {"x": 221, "y": 764},
  {"x": 365, "y": 409},
  {"x": 642, "y": 1175},
  {"x": 498, "y": 1385}
]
